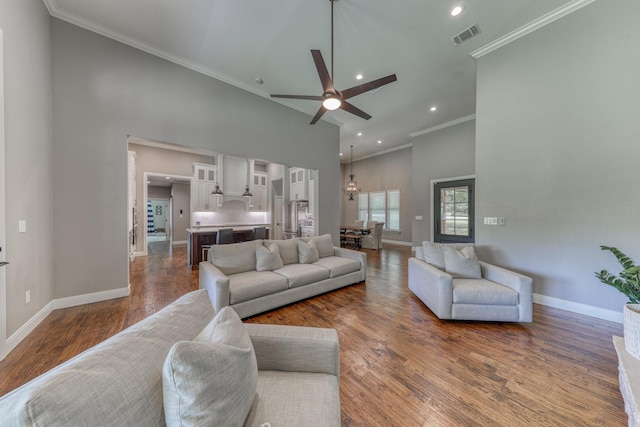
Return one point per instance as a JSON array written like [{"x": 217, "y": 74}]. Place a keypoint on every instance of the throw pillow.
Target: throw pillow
[
  {"x": 324, "y": 244},
  {"x": 307, "y": 252},
  {"x": 461, "y": 264},
  {"x": 213, "y": 379},
  {"x": 268, "y": 259},
  {"x": 433, "y": 254}
]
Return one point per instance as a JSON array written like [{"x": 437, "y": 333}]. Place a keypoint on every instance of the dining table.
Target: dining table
[{"x": 354, "y": 233}]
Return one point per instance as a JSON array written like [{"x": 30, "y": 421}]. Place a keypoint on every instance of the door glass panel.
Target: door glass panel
[{"x": 454, "y": 210}]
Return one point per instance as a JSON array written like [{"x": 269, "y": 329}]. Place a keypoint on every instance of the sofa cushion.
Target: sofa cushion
[
  {"x": 482, "y": 292},
  {"x": 461, "y": 264},
  {"x": 288, "y": 249},
  {"x": 307, "y": 252},
  {"x": 213, "y": 380},
  {"x": 324, "y": 244},
  {"x": 236, "y": 257},
  {"x": 338, "y": 266},
  {"x": 303, "y": 274},
  {"x": 296, "y": 399},
  {"x": 255, "y": 284},
  {"x": 268, "y": 259}
]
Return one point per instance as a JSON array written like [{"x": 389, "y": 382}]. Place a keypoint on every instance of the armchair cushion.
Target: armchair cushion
[
  {"x": 484, "y": 292},
  {"x": 461, "y": 263}
]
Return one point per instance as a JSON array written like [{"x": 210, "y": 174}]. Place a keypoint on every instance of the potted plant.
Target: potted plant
[{"x": 627, "y": 282}]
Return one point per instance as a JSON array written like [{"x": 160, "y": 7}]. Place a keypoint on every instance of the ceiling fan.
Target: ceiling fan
[{"x": 332, "y": 99}]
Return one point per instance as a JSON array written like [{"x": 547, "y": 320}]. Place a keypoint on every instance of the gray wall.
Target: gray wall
[
  {"x": 155, "y": 192},
  {"x": 28, "y": 167},
  {"x": 445, "y": 153},
  {"x": 558, "y": 143},
  {"x": 181, "y": 193},
  {"x": 385, "y": 172},
  {"x": 104, "y": 91}
]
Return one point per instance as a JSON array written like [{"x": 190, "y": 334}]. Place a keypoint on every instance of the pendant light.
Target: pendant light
[{"x": 352, "y": 188}]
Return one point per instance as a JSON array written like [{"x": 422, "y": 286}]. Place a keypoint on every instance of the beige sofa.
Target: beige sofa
[
  {"x": 260, "y": 275},
  {"x": 468, "y": 289},
  {"x": 183, "y": 366}
]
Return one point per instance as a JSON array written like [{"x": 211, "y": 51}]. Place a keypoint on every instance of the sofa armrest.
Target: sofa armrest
[
  {"x": 356, "y": 255},
  {"x": 295, "y": 348},
  {"x": 433, "y": 286},
  {"x": 216, "y": 283},
  {"x": 516, "y": 281}
]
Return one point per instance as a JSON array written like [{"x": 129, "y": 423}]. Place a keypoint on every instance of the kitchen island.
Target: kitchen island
[{"x": 199, "y": 236}]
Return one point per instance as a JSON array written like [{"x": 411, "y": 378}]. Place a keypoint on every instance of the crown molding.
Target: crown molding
[
  {"x": 56, "y": 12},
  {"x": 532, "y": 26},
  {"x": 443, "y": 125}
]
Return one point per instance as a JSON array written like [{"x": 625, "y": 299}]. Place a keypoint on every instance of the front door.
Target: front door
[{"x": 454, "y": 211}]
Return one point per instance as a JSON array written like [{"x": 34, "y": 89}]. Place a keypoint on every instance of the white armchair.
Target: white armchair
[
  {"x": 499, "y": 295},
  {"x": 374, "y": 239}
]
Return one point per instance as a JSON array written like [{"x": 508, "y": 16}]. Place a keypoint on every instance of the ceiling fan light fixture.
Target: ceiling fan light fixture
[{"x": 332, "y": 103}]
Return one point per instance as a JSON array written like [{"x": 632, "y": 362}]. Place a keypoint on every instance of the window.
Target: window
[
  {"x": 393, "y": 209},
  {"x": 363, "y": 206},
  {"x": 380, "y": 206},
  {"x": 454, "y": 207}
]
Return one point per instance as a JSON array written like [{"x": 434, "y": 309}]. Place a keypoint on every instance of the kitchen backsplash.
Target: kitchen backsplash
[{"x": 231, "y": 213}]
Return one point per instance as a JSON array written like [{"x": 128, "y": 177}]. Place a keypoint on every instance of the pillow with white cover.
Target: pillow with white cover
[
  {"x": 433, "y": 254},
  {"x": 268, "y": 259},
  {"x": 307, "y": 252},
  {"x": 462, "y": 264},
  {"x": 213, "y": 379},
  {"x": 324, "y": 244}
]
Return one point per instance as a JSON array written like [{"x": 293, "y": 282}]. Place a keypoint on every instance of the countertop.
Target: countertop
[{"x": 213, "y": 229}]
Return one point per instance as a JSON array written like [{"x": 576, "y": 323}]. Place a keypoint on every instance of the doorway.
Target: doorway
[{"x": 158, "y": 220}]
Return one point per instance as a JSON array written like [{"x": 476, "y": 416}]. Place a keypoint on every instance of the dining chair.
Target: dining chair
[{"x": 259, "y": 233}]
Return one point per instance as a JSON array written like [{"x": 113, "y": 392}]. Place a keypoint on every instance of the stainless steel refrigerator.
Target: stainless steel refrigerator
[{"x": 295, "y": 216}]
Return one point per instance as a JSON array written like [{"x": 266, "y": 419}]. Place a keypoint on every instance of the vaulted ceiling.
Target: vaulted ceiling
[{"x": 264, "y": 47}]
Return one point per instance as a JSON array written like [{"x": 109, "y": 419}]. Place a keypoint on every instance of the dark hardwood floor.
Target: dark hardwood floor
[{"x": 400, "y": 365}]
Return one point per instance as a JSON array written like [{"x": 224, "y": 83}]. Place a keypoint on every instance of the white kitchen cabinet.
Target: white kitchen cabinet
[
  {"x": 235, "y": 174},
  {"x": 260, "y": 192},
  {"x": 298, "y": 184},
  {"x": 205, "y": 180}
]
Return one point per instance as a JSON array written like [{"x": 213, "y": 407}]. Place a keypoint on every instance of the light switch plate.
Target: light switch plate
[{"x": 22, "y": 226}]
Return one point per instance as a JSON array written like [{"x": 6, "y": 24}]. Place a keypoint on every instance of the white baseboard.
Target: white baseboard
[
  {"x": 17, "y": 337},
  {"x": 575, "y": 307},
  {"x": 179, "y": 242},
  {"x": 91, "y": 298},
  {"x": 396, "y": 242}
]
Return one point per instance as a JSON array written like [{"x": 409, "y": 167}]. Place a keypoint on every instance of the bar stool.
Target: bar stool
[
  {"x": 205, "y": 252},
  {"x": 224, "y": 236},
  {"x": 259, "y": 233}
]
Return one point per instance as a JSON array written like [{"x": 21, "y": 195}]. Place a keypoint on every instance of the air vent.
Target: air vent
[{"x": 470, "y": 32}]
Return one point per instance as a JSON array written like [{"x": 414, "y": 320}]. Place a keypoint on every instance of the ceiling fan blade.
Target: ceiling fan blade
[
  {"x": 319, "y": 114},
  {"x": 365, "y": 87},
  {"x": 354, "y": 110},
  {"x": 310, "y": 97},
  {"x": 325, "y": 78}
]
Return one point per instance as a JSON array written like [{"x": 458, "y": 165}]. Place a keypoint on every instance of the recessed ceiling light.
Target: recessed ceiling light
[
  {"x": 379, "y": 141},
  {"x": 341, "y": 154},
  {"x": 359, "y": 133},
  {"x": 434, "y": 108},
  {"x": 359, "y": 76},
  {"x": 456, "y": 11},
  {"x": 167, "y": 177}
]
